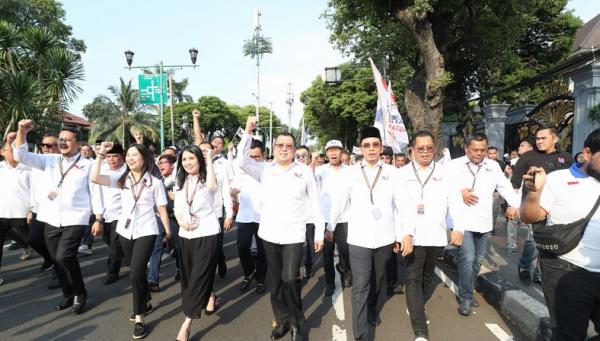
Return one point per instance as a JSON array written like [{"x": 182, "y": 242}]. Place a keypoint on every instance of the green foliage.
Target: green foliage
[
  {"x": 253, "y": 47},
  {"x": 594, "y": 113}
]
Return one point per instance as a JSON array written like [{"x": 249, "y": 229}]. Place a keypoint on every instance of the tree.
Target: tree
[
  {"x": 452, "y": 50},
  {"x": 340, "y": 111}
]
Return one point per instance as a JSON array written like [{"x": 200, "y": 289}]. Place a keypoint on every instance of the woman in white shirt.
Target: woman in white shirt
[
  {"x": 198, "y": 233},
  {"x": 137, "y": 226}
]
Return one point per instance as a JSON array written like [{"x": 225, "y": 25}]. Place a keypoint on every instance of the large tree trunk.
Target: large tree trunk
[{"x": 424, "y": 94}]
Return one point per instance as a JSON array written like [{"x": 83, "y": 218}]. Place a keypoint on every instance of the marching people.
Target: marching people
[
  {"x": 198, "y": 233},
  {"x": 571, "y": 281},
  {"x": 287, "y": 187},
  {"x": 325, "y": 176},
  {"x": 65, "y": 209},
  {"x": 474, "y": 180},
  {"x": 513, "y": 224},
  {"x": 137, "y": 227},
  {"x": 368, "y": 191},
  {"x": 424, "y": 210},
  {"x": 166, "y": 164},
  {"x": 304, "y": 156},
  {"x": 247, "y": 190},
  {"x": 400, "y": 160}
]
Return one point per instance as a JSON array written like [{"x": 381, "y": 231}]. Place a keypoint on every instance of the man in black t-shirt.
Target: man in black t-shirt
[{"x": 547, "y": 157}]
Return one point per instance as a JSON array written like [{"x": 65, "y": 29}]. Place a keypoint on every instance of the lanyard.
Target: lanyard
[
  {"x": 189, "y": 200},
  {"x": 63, "y": 175},
  {"x": 137, "y": 196},
  {"x": 374, "y": 182},
  {"x": 474, "y": 174},
  {"x": 419, "y": 179}
]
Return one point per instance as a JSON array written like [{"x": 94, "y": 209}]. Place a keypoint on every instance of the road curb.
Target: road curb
[{"x": 525, "y": 312}]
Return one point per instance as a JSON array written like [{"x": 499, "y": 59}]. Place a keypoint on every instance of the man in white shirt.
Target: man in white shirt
[
  {"x": 368, "y": 193},
  {"x": 303, "y": 155},
  {"x": 111, "y": 197},
  {"x": 66, "y": 208},
  {"x": 571, "y": 282},
  {"x": 326, "y": 175},
  {"x": 247, "y": 190},
  {"x": 290, "y": 199},
  {"x": 424, "y": 211},
  {"x": 474, "y": 180}
]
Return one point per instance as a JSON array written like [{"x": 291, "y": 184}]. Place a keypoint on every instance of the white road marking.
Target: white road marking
[
  {"x": 447, "y": 281},
  {"x": 498, "y": 332},
  {"x": 337, "y": 301}
]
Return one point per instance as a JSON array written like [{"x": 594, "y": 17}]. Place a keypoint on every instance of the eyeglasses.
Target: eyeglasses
[
  {"x": 284, "y": 145},
  {"x": 424, "y": 149},
  {"x": 48, "y": 145},
  {"x": 368, "y": 145}
]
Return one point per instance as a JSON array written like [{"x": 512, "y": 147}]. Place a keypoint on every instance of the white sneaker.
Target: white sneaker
[
  {"x": 420, "y": 338},
  {"x": 84, "y": 249},
  {"x": 427, "y": 317}
]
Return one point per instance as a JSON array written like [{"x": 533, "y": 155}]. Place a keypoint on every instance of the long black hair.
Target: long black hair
[
  {"x": 148, "y": 162},
  {"x": 182, "y": 174}
]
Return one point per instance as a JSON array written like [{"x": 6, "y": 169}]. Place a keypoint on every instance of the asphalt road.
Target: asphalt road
[{"x": 26, "y": 308}]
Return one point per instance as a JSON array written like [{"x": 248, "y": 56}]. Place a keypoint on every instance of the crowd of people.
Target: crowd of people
[{"x": 377, "y": 210}]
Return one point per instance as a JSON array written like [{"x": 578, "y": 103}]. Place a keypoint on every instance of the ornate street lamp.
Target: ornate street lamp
[
  {"x": 193, "y": 55},
  {"x": 129, "y": 57}
]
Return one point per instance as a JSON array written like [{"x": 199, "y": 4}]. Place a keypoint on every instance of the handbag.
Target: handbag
[{"x": 556, "y": 240}]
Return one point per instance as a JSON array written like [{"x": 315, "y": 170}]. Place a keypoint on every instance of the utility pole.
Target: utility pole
[
  {"x": 290, "y": 102},
  {"x": 257, "y": 37},
  {"x": 271, "y": 130},
  {"x": 172, "y": 119}
]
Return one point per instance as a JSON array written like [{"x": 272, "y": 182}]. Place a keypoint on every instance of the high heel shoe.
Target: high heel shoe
[{"x": 216, "y": 307}]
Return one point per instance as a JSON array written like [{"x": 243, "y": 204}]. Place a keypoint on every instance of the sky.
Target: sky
[{"x": 164, "y": 31}]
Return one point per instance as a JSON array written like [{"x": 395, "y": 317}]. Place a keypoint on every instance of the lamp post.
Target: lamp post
[
  {"x": 194, "y": 57},
  {"x": 290, "y": 101},
  {"x": 271, "y": 130}
]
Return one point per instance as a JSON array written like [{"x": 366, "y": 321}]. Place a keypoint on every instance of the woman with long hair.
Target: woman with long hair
[
  {"x": 137, "y": 226},
  {"x": 198, "y": 233}
]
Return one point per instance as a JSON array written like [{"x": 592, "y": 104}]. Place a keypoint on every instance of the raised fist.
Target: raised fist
[
  {"x": 26, "y": 125},
  {"x": 105, "y": 147},
  {"x": 10, "y": 138},
  {"x": 250, "y": 124},
  {"x": 196, "y": 113}
]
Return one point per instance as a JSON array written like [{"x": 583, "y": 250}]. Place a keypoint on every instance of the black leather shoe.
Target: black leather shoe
[
  {"x": 153, "y": 287},
  {"x": 474, "y": 303},
  {"x": 64, "y": 304},
  {"x": 78, "y": 304},
  {"x": 297, "y": 334},
  {"x": 524, "y": 275},
  {"x": 246, "y": 282},
  {"x": 465, "y": 308},
  {"x": 280, "y": 331},
  {"x": 54, "y": 284},
  {"x": 329, "y": 290},
  {"x": 373, "y": 319},
  {"x": 139, "y": 330},
  {"x": 260, "y": 288},
  {"x": 110, "y": 279}
]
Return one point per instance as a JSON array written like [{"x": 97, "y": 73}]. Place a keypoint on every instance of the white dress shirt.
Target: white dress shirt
[
  {"x": 370, "y": 224},
  {"x": 75, "y": 199},
  {"x": 249, "y": 197},
  {"x": 290, "y": 198},
  {"x": 111, "y": 196},
  {"x": 570, "y": 195},
  {"x": 325, "y": 176},
  {"x": 202, "y": 208},
  {"x": 142, "y": 220},
  {"x": 15, "y": 184},
  {"x": 488, "y": 178},
  {"x": 429, "y": 227},
  {"x": 221, "y": 196}
]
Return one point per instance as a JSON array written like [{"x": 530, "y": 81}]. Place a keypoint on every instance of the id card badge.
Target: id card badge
[
  {"x": 128, "y": 222},
  {"x": 52, "y": 195},
  {"x": 376, "y": 213},
  {"x": 420, "y": 209}
]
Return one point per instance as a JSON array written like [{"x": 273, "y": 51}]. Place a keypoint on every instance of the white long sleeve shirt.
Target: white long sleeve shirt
[
  {"x": 111, "y": 196},
  {"x": 75, "y": 200},
  {"x": 370, "y": 224},
  {"x": 249, "y": 197},
  {"x": 290, "y": 198},
  {"x": 428, "y": 228},
  {"x": 325, "y": 176},
  {"x": 487, "y": 177},
  {"x": 15, "y": 200},
  {"x": 201, "y": 207},
  {"x": 222, "y": 197}
]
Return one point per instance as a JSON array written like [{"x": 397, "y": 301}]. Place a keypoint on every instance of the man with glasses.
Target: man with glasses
[
  {"x": 368, "y": 193},
  {"x": 290, "y": 199},
  {"x": 65, "y": 209},
  {"x": 474, "y": 180},
  {"x": 303, "y": 155}
]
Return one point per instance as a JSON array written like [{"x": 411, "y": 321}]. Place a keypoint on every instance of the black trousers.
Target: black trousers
[
  {"x": 368, "y": 272},
  {"x": 115, "y": 251},
  {"x": 220, "y": 253},
  {"x": 283, "y": 261},
  {"x": 197, "y": 264},
  {"x": 62, "y": 243},
  {"x": 420, "y": 271},
  {"x": 137, "y": 254},
  {"x": 573, "y": 298},
  {"x": 36, "y": 238},
  {"x": 6, "y": 225},
  {"x": 245, "y": 232},
  {"x": 88, "y": 238},
  {"x": 310, "y": 247},
  {"x": 340, "y": 236},
  {"x": 19, "y": 232}
]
